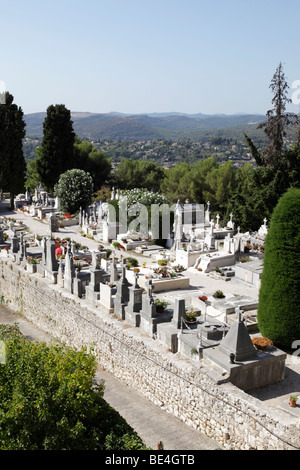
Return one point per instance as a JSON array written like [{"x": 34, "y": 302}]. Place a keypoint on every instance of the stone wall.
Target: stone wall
[{"x": 223, "y": 412}]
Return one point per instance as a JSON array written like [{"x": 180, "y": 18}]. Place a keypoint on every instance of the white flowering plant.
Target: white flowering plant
[{"x": 74, "y": 190}]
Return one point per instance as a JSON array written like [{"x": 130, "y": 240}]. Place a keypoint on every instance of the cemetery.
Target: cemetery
[{"x": 125, "y": 277}]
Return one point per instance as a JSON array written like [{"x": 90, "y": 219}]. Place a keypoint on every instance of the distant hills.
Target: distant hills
[{"x": 152, "y": 126}]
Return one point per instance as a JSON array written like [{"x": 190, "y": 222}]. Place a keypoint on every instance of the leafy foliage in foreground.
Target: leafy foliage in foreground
[{"x": 49, "y": 400}]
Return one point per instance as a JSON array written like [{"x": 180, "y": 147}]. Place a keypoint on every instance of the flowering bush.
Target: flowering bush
[
  {"x": 74, "y": 189},
  {"x": 143, "y": 196}
]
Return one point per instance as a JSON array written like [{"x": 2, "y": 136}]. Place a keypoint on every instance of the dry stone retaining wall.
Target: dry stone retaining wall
[{"x": 223, "y": 412}]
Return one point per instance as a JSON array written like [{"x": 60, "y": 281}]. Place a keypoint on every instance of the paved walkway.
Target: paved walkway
[{"x": 150, "y": 422}]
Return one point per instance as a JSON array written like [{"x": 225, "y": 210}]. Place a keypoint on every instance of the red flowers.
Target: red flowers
[{"x": 203, "y": 298}]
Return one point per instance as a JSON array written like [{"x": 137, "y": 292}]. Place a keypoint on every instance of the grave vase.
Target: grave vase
[{"x": 31, "y": 268}]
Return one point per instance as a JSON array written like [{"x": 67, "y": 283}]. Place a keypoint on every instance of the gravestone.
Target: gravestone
[
  {"x": 53, "y": 223},
  {"x": 97, "y": 276},
  {"x": 14, "y": 243},
  {"x": 19, "y": 257},
  {"x": 60, "y": 273},
  {"x": 179, "y": 313},
  {"x": 122, "y": 295},
  {"x": 69, "y": 273},
  {"x": 168, "y": 332},
  {"x": 135, "y": 303},
  {"x": 210, "y": 237},
  {"x": 113, "y": 271},
  {"x": 149, "y": 317},
  {"x": 51, "y": 268},
  {"x": 238, "y": 341},
  {"x": 106, "y": 300},
  {"x": 77, "y": 284}
]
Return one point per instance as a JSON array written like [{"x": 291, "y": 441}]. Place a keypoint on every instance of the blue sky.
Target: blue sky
[{"x": 142, "y": 56}]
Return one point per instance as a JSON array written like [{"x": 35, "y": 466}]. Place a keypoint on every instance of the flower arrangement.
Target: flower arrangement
[
  {"x": 58, "y": 251},
  {"x": 203, "y": 298},
  {"x": 161, "y": 305},
  {"x": 190, "y": 315},
  {"x": 218, "y": 294},
  {"x": 179, "y": 268},
  {"x": 262, "y": 343},
  {"x": 136, "y": 270},
  {"x": 247, "y": 247},
  {"x": 31, "y": 260},
  {"x": 162, "y": 271},
  {"x": 162, "y": 262}
]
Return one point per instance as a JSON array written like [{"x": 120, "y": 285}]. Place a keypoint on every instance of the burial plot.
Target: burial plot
[
  {"x": 134, "y": 306},
  {"x": 122, "y": 295},
  {"x": 248, "y": 368},
  {"x": 149, "y": 317}
]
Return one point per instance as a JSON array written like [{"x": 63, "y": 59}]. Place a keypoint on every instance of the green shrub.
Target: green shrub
[
  {"x": 74, "y": 190},
  {"x": 50, "y": 401},
  {"x": 279, "y": 297}
]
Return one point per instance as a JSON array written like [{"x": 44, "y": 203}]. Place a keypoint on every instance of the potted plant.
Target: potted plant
[
  {"x": 293, "y": 400},
  {"x": 31, "y": 264},
  {"x": 191, "y": 316},
  {"x": 161, "y": 305},
  {"x": 162, "y": 262},
  {"x": 218, "y": 294},
  {"x": 262, "y": 343},
  {"x": 247, "y": 247}
]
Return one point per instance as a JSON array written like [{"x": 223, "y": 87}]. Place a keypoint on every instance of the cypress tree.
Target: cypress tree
[
  {"x": 279, "y": 297},
  {"x": 12, "y": 132},
  {"x": 57, "y": 148}
]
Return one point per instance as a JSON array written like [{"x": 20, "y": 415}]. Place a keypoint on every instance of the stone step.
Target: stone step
[{"x": 214, "y": 371}]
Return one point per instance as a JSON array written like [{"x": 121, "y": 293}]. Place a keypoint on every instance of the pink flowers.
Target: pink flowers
[{"x": 58, "y": 251}]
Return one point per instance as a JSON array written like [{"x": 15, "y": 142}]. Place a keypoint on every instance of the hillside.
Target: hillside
[{"x": 174, "y": 126}]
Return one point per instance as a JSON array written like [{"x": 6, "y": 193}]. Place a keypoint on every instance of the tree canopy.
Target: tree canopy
[
  {"x": 12, "y": 132},
  {"x": 49, "y": 400},
  {"x": 131, "y": 174},
  {"x": 74, "y": 190},
  {"x": 279, "y": 297},
  {"x": 88, "y": 158},
  {"x": 57, "y": 147}
]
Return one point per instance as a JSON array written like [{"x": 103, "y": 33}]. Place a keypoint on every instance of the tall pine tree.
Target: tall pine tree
[
  {"x": 278, "y": 120},
  {"x": 12, "y": 132},
  {"x": 57, "y": 148}
]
